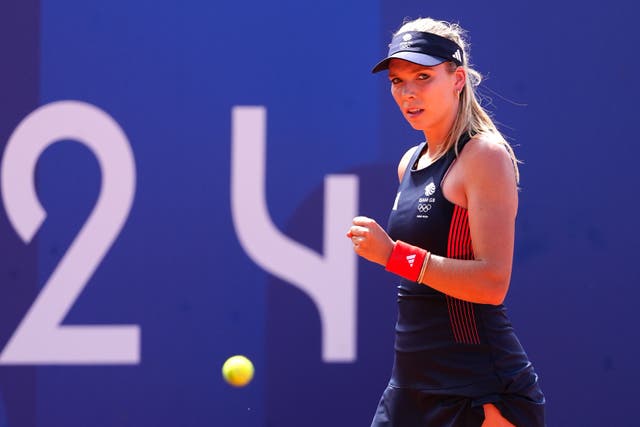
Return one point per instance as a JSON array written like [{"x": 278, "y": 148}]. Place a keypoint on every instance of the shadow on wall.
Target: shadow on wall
[
  {"x": 3, "y": 412},
  {"x": 297, "y": 378}
]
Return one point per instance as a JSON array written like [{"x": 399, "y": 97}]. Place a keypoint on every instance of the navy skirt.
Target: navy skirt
[{"x": 407, "y": 407}]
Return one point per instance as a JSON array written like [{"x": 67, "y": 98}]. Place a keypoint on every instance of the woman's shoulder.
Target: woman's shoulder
[
  {"x": 404, "y": 161},
  {"x": 486, "y": 141},
  {"x": 488, "y": 154},
  {"x": 486, "y": 147}
]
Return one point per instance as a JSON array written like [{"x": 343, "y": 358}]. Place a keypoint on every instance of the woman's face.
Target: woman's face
[{"x": 427, "y": 96}]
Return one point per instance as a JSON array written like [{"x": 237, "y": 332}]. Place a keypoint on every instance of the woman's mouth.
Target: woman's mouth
[{"x": 414, "y": 112}]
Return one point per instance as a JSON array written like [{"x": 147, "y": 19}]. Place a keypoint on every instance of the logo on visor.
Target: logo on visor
[
  {"x": 407, "y": 37},
  {"x": 457, "y": 55}
]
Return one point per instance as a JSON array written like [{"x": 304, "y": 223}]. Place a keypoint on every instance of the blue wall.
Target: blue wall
[{"x": 560, "y": 81}]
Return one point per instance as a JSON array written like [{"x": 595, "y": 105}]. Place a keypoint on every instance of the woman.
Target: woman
[{"x": 450, "y": 237}]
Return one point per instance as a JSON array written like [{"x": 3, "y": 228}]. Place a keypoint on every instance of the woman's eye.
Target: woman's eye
[
  {"x": 423, "y": 76},
  {"x": 395, "y": 81}
]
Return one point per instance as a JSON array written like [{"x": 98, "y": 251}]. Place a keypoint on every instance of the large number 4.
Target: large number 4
[{"x": 41, "y": 338}]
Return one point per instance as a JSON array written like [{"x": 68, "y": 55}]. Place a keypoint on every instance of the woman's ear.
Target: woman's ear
[{"x": 460, "y": 78}]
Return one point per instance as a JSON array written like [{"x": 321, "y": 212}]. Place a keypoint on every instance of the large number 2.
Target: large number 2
[{"x": 41, "y": 338}]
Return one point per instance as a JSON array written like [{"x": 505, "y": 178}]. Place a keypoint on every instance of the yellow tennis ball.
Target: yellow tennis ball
[{"x": 238, "y": 371}]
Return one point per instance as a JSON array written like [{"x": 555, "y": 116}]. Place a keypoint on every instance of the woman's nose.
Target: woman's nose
[{"x": 408, "y": 90}]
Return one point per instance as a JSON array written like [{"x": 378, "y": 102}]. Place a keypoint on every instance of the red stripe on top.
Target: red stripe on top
[
  {"x": 461, "y": 313},
  {"x": 450, "y": 303}
]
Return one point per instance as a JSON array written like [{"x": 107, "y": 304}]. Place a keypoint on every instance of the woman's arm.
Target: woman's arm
[
  {"x": 488, "y": 181},
  {"x": 489, "y": 185},
  {"x": 370, "y": 241}
]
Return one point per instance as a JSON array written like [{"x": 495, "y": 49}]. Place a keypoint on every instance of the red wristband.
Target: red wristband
[{"x": 406, "y": 260}]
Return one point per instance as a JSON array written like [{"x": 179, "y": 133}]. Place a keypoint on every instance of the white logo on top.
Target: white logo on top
[
  {"x": 406, "y": 37},
  {"x": 457, "y": 55},
  {"x": 395, "y": 203},
  {"x": 430, "y": 189}
]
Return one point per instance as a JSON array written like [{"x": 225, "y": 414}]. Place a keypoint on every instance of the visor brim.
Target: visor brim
[{"x": 415, "y": 57}]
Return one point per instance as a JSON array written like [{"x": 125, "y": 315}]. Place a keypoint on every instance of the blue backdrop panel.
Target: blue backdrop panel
[
  {"x": 170, "y": 75},
  {"x": 19, "y": 44},
  {"x": 559, "y": 81}
]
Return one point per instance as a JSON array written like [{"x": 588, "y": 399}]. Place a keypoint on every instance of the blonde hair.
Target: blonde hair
[{"x": 471, "y": 116}]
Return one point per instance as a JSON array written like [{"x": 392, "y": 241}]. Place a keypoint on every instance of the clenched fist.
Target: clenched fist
[{"x": 370, "y": 241}]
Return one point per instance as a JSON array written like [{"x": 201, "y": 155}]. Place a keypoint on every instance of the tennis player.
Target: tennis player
[{"x": 450, "y": 237}]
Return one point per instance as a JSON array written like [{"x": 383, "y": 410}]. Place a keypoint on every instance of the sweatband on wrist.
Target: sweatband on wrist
[{"x": 406, "y": 260}]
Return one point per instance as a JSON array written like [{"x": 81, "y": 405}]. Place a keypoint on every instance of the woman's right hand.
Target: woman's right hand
[{"x": 370, "y": 241}]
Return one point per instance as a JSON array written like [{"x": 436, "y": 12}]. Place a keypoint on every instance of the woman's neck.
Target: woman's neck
[{"x": 435, "y": 141}]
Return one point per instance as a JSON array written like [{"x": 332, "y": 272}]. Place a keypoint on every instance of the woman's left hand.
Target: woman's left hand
[{"x": 370, "y": 241}]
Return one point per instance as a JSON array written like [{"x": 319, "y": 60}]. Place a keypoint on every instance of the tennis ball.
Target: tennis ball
[{"x": 237, "y": 371}]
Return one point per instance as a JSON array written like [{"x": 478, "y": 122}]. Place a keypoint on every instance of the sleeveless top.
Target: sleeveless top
[{"x": 444, "y": 344}]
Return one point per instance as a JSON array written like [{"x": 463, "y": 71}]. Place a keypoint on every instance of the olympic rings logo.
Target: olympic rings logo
[{"x": 423, "y": 208}]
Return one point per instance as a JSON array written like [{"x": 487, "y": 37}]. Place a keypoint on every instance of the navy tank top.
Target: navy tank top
[{"x": 442, "y": 343}]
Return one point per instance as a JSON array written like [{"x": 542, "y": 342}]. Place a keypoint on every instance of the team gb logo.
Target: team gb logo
[{"x": 430, "y": 189}]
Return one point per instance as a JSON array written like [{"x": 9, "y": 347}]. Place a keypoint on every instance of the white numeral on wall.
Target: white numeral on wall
[
  {"x": 330, "y": 279},
  {"x": 41, "y": 338}
]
